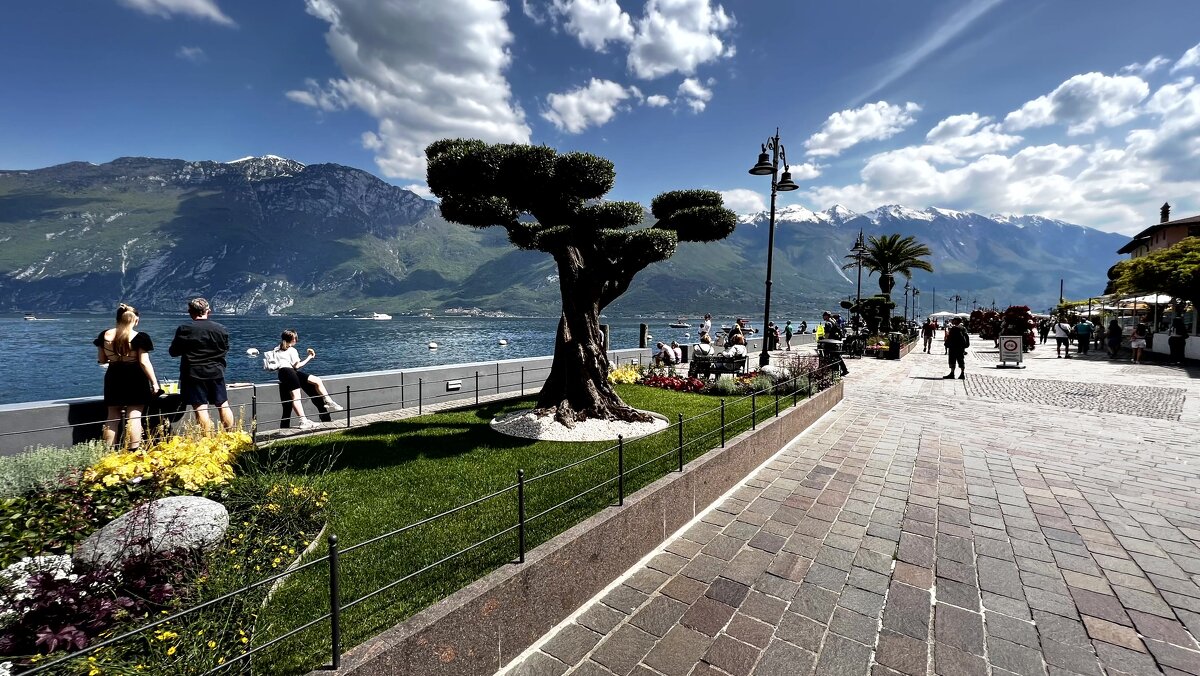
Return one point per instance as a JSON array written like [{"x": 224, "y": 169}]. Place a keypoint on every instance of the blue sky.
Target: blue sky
[{"x": 1012, "y": 106}]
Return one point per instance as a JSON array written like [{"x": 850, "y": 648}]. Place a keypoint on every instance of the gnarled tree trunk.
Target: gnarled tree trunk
[{"x": 577, "y": 388}]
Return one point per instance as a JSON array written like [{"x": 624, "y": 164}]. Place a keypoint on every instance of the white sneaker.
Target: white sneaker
[
  {"x": 333, "y": 405},
  {"x": 306, "y": 424}
]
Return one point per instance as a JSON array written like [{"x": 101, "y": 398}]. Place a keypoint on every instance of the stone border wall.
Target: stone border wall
[{"x": 483, "y": 626}]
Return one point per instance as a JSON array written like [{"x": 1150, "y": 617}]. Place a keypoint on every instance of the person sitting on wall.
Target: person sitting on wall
[
  {"x": 665, "y": 355},
  {"x": 293, "y": 380}
]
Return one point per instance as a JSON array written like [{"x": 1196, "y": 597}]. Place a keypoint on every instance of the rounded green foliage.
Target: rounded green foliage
[
  {"x": 463, "y": 167},
  {"x": 584, "y": 175},
  {"x": 479, "y": 211},
  {"x": 610, "y": 215},
  {"x": 666, "y": 204},
  {"x": 526, "y": 173},
  {"x": 701, "y": 223},
  {"x": 656, "y": 244}
]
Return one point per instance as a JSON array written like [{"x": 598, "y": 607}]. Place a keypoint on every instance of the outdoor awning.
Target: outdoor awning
[{"x": 1153, "y": 299}]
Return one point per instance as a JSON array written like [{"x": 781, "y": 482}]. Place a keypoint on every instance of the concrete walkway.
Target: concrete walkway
[{"x": 1041, "y": 521}]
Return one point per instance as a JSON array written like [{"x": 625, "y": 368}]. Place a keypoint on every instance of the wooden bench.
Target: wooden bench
[{"x": 715, "y": 364}]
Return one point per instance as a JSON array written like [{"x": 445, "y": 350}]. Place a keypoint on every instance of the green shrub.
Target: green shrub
[
  {"x": 724, "y": 387},
  {"x": 42, "y": 465}
]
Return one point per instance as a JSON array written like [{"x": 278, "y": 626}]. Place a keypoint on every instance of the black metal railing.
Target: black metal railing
[{"x": 333, "y": 561}]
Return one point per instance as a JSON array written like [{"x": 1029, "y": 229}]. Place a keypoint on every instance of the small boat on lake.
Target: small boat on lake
[
  {"x": 29, "y": 317},
  {"x": 680, "y": 323},
  {"x": 379, "y": 316}
]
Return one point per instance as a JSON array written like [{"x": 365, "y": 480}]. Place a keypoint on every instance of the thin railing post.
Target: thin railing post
[
  {"x": 620, "y": 469},
  {"x": 254, "y": 414},
  {"x": 420, "y": 393},
  {"x": 477, "y": 388},
  {"x": 776, "y": 388},
  {"x": 753, "y": 410},
  {"x": 722, "y": 423},
  {"x": 335, "y": 604},
  {"x": 795, "y": 389},
  {"x": 680, "y": 442},
  {"x": 522, "y": 381},
  {"x": 521, "y": 513},
  {"x": 348, "y": 407}
]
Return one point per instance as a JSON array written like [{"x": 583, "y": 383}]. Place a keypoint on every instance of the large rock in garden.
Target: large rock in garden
[{"x": 181, "y": 522}]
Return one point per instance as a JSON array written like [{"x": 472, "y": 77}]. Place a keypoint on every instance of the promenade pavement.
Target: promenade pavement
[{"x": 1043, "y": 521}]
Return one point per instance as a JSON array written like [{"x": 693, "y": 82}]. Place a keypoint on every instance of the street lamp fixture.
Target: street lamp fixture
[
  {"x": 956, "y": 298},
  {"x": 907, "y": 288},
  {"x": 915, "y": 292},
  {"x": 768, "y": 165},
  {"x": 858, "y": 251}
]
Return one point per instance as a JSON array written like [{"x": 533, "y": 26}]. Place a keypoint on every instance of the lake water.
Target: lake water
[{"x": 54, "y": 358}]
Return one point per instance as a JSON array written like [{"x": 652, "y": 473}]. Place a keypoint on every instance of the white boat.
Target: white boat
[
  {"x": 680, "y": 323},
  {"x": 380, "y": 316},
  {"x": 29, "y": 317}
]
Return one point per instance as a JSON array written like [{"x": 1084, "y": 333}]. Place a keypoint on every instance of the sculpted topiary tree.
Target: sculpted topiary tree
[{"x": 552, "y": 203}]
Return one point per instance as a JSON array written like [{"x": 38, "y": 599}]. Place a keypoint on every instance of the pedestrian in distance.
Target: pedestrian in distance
[
  {"x": 1083, "y": 335},
  {"x": 831, "y": 331},
  {"x": 1113, "y": 339},
  {"x": 1137, "y": 340},
  {"x": 1044, "y": 329},
  {"x": 927, "y": 330},
  {"x": 129, "y": 380},
  {"x": 1099, "y": 335},
  {"x": 957, "y": 342},
  {"x": 1177, "y": 340},
  {"x": 803, "y": 326},
  {"x": 706, "y": 325},
  {"x": 201, "y": 345},
  {"x": 787, "y": 336},
  {"x": 1062, "y": 338}
]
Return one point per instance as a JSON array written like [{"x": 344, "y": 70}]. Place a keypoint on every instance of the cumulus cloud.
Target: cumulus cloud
[
  {"x": 970, "y": 135},
  {"x": 743, "y": 201},
  {"x": 872, "y": 122},
  {"x": 193, "y": 54},
  {"x": 196, "y": 9},
  {"x": 1084, "y": 102},
  {"x": 1144, "y": 69},
  {"x": 594, "y": 22},
  {"x": 423, "y": 71},
  {"x": 1190, "y": 59},
  {"x": 677, "y": 36},
  {"x": 583, "y": 107},
  {"x": 696, "y": 94},
  {"x": 420, "y": 190},
  {"x": 657, "y": 100}
]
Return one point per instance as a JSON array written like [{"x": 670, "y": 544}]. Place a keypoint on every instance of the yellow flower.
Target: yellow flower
[
  {"x": 212, "y": 644},
  {"x": 171, "y": 651}
]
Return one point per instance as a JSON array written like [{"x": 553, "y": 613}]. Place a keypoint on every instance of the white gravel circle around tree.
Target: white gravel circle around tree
[{"x": 529, "y": 425}]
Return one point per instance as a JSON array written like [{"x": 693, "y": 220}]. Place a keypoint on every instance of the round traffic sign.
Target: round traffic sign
[{"x": 1010, "y": 344}]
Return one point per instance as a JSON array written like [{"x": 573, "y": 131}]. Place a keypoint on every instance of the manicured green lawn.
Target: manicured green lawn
[{"x": 388, "y": 475}]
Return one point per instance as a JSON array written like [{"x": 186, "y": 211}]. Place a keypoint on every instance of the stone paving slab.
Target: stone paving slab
[{"x": 926, "y": 526}]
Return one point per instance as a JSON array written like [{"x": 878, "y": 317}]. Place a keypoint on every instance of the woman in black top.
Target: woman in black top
[
  {"x": 129, "y": 382},
  {"x": 1113, "y": 338},
  {"x": 1177, "y": 340}
]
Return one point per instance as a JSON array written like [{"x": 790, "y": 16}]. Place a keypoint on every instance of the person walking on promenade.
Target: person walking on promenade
[
  {"x": 927, "y": 330},
  {"x": 1099, "y": 335},
  {"x": 129, "y": 381},
  {"x": 1062, "y": 338},
  {"x": 1177, "y": 340},
  {"x": 1044, "y": 329},
  {"x": 1137, "y": 340},
  {"x": 831, "y": 331},
  {"x": 787, "y": 336},
  {"x": 201, "y": 346},
  {"x": 1113, "y": 338},
  {"x": 957, "y": 342},
  {"x": 1083, "y": 334},
  {"x": 706, "y": 325}
]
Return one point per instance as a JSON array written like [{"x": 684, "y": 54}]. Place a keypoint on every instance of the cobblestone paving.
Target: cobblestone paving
[
  {"x": 916, "y": 530},
  {"x": 1150, "y": 402}
]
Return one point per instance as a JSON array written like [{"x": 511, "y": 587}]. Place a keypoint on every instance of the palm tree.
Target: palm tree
[{"x": 892, "y": 254}]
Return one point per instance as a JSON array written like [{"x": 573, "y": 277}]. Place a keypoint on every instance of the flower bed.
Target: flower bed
[
  {"x": 794, "y": 372},
  {"x": 51, "y": 605}
]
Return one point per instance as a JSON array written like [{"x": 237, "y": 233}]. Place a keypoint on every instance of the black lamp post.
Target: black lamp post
[
  {"x": 915, "y": 293},
  {"x": 769, "y": 166},
  {"x": 858, "y": 250},
  {"x": 955, "y": 298},
  {"x": 907, "y": 288}
]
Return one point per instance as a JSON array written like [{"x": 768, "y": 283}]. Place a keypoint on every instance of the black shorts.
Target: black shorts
[
  {"x": 290, "y": 379},
  {"x": 1063, "y": 341},
  {"x": 198, "y": 392}
]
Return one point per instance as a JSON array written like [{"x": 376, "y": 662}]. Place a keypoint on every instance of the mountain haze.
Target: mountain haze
[{"x": 270, "y": 235}]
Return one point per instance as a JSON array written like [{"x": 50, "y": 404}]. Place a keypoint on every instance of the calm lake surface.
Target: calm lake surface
[{"x": 54, "y": 358}]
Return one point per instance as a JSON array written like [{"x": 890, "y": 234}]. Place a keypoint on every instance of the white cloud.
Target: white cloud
[
  {"x": 970, "y": 135},
  {"x": 871, "y": 122},
  {"x": 743, "y": 201},
  {"x": 1144, "y": 69},
  {"x": 1168, "y": 96},
  {"x": 197, "y": 9},
  {"x": 536, "y": 13},
  {"x": 1190, "y": 59},
  {"x": 420, "y": 190},
  {"x": 695, "y": 93},
  {"x": 657, "y": 100},
  {"x": 193, "y": 54},
  {"x": 594, "y": 22},
  {"x": 926, "y": 45},
  {"x": 583, "y": 107},
  {"x": 424, "y": 71},
  {"x": 677, "y": 36},
  {"x": 804, "y": 172},
  {"x": 1084, "y": 103}
]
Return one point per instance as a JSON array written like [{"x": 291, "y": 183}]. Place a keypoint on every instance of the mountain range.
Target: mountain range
[{"x": 270, "y": 235}]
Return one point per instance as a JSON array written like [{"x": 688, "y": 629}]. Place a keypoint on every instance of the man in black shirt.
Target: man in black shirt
[
  {"x": 833, "y": 344},
  {"x": 202, "y": 344},
  {"x": 957, "y": 342}
]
